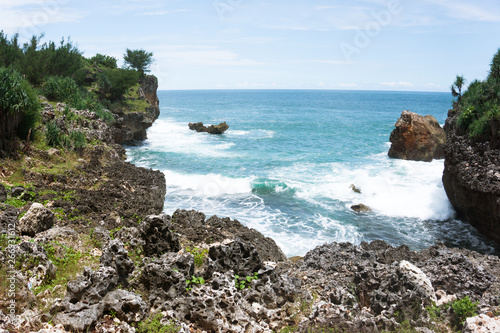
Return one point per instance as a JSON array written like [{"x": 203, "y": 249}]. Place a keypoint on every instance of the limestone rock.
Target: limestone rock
[
  {"x": 165, "y": 278},
  {"x": 212, "y": 129},
  {"x": 194, "y": 226},
  {"x": 127, "y": 305},
  {"x": 417, "y": 138},
  {"x": 471, "y": 178},
  {"x": 158, "y": 238},
  {"x": 16, "y": 191},
  {"x": 8, "y": 219},
  {"x": 240, "y": 257},
  {"x": 3, "y": 193},
  {"x": 114, "y": 255},
  {"x": 37, "y": 219},
  {"x": 481, "y": 324}
]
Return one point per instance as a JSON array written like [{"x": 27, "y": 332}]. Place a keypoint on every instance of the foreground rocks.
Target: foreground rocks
[
  {"x": 212, "y": 129},
  {"x": 417, "y": 138},
  {"x": 471, "y": 179}
]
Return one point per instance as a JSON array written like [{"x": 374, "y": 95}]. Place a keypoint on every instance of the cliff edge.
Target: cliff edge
[
  {"x": 471, "y": 178},
  {"x": 132, "y": 125}
]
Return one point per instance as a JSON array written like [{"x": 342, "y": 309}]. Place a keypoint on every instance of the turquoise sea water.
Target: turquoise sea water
[{"x": 286, "y": 164}]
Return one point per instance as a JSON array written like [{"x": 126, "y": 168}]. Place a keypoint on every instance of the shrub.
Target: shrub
[
  {"x": 18, "y": 106},
  {"x": 120, "y": 80},
  {"x": 463, "y": 309},
  {"x": 63, "y": 89}
]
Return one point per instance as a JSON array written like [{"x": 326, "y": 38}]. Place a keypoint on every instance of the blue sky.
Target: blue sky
[{"x": 415, "y": 45}]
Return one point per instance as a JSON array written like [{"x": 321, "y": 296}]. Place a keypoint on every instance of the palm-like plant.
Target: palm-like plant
[{"x": 456, "y": 87}]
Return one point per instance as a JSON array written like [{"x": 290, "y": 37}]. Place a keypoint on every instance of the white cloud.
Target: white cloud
[
  {"x": 398, "y": 84},
  {"x": 202, "y": 55},
  {"x": 486, "y": 11},
  {"x": 29, "y": 22}
]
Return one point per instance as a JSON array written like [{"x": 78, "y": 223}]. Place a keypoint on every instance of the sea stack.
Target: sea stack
[
  {"x": 417, "y": 138},
  {"x": 212, "y": 129}
]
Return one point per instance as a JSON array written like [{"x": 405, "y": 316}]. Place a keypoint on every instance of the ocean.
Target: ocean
[{"x": 286, "y": 164}]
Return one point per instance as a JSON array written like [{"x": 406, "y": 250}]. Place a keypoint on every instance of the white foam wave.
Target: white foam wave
[
  {"x": 175, "y": 137},
  {"x": 252, "y": 134},
  {"x": 210, "y": 185},
  {"x": 394, "y": 188}
]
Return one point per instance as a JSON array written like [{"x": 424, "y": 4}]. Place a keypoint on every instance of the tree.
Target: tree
[
  {"x": 456, "y": 87},
  {"x": 139, "y": 60}
]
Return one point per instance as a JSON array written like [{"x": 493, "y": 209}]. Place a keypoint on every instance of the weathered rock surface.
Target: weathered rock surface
[
  {"x": 37, "y": 219},
  {"x": 8, "y": 219},
  {"x": 3, "y": 193},
  {"x": 367, "y": 286},
  {"x": 417, "y": 138},
  {"x": 212, "y": 129},
  {"x": 482, "y": 324},
  {"x": 471, "y": 179},
  {"x": 193, "y": 227},
  {"x": 157, "y": 235}
]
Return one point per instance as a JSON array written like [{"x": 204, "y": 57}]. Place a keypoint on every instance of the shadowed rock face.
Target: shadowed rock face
[
  {"x": 212, "y": 129},
  {"x": 417, "y": 138},
  {"x": 471, "y": 179}
]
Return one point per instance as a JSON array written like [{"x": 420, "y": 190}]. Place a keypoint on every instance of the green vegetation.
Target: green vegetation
[
  {"x": 61, "y": 73},
  {"x": 479, "y": 105},
  {"x": 198, "y": 254},
  {"x": 18, "y": 107},
  {"x": 194, "y": 281},
  {"x": 244, "y": 282},
  {"x": 69, "y": 264},
  {"x": 463, "y": 309},
  {"x": 139, "y": 60},
  {"x": 153, "y": 325}
]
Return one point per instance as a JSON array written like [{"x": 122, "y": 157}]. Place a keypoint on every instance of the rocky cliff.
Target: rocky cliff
[
  {"x": 471, "y": 178},
  {"x": 132, "y": 125}
]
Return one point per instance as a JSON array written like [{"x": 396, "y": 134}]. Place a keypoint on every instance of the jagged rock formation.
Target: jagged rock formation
[
  {"x": 212, "y": 129},
  {"x": 194, "y": 227},
  {"x": 471, "y": 179},
  {"x": 417, "y": 138}
]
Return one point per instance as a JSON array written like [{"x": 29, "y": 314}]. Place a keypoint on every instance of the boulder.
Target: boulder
[
  {"x": 37, "y": 219},
  {"x": 417, "y": 138},
  {"x": 212, "y": 129}
]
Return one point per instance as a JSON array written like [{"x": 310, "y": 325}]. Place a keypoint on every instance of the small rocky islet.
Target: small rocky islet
[{"x": 95, "y": 253}]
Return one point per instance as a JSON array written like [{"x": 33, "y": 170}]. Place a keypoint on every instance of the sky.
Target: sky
[{"x": 418, "y": 45}]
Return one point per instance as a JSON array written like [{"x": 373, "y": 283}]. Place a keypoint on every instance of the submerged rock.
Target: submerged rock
[
  {"x": 417, "y": 138},
  {"x": 361, "y": 208},
  {"x": 212, "y": 129}
]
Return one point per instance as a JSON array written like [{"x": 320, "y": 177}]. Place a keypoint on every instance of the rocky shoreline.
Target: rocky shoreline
[{"x": 111, "y": 261}]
